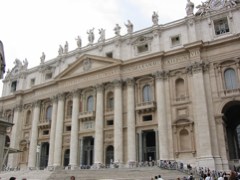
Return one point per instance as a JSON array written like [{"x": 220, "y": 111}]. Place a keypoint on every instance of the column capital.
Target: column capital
[
  {"x": 18, "y": 107},
  {"x": 54, "y": 98},
  {"x": 130, "y": 81},
  {"x": 197, "y": 67},
  {"x": 117, "y": 83},
  {"x": 61, "y": 96},
  {"x": 99, "y": 87},
  {"x": 76, "y": 92},
  {"x": 37, "y": 103},
  {"x": 161, "y": 75}
]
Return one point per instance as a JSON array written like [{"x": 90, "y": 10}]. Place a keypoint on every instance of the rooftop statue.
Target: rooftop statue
[
  {"x": 117, "y": 30},
  {"x": 90, "y": 36},
  {"x": 42, "y": 58},
  {"x": 129, "y": 26},
  {"x": 79, "y": 42},
  {"x": 66, "y": 48},
  {"x": 17, "y": 63},
  {"x": 202, "y": 8},
  {"x": 102, "y": 35},
  {"x": 189, "y": 8},
  {"x": 60, "y": 50},
  {"x": 155, "y": 18},
  {"x": 25, "y": 63}
]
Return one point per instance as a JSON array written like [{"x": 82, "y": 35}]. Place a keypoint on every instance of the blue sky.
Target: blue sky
[{"x": 30, "y": 27}]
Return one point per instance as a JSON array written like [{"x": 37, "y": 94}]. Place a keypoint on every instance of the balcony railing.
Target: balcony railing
[
  {"x": 146, "y": 106},
  {"x": 84, "y": 116},
  {"x": 44, "y": 124}
]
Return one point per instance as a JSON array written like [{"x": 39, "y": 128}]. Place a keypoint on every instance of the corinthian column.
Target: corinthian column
[
  {"x": 161, "y": 115},
  {"x": 34, "y": 136},
  {"x": 131, "y": 122},
  {"x": 12, "y": 159},
  {"x": 118, "y": 124},
  {"x": 98, "y": 148},
  {"x": 200, "y": 107},
  {"x": 74, "y": 131},
  {"x": 59, "y": 131},
  {"x": 53, "y": 131}
]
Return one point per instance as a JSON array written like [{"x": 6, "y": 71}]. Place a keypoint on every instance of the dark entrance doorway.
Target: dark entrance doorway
[
  {"x": 88, "y": 146},
  {"x": 44, "y": 155},
  {"x": 231, "y": 118},
  {"x": 149, "y": 145},
  {"x": 109, "y": 155},
  {"x": 66, "y": 157}
]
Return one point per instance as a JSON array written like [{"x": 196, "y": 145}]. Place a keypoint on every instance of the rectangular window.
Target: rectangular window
[
  {"x": 48, "y": 76},
  {"x": 109, "y": 122},
  {"x": 147, "y": 118},
  {"x": 142, "y": 48},
  {"x": 32, "y": 82},
  {"x": 175, "y": 40},
  {"x": 45, "y": 132},
  {"x": 68, "y": 128},
  {"x": 221, "y": 26},
  {"x": 109, "y": 54},
  {"x": 14, "y": 86}
]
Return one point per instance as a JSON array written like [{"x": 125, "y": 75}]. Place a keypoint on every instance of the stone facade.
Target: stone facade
[{"x": 167, "y": 92}]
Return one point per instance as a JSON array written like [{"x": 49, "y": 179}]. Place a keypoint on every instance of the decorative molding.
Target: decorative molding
[
  {"x": 130, "y": 82},
  {"x": 99, "y": 87},
  {"x": 117, "y": 83}
]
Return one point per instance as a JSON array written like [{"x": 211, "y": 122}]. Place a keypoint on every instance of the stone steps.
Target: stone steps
[
  {"x": 143, "y": 173},
  {"x": 123, "y": 174}
]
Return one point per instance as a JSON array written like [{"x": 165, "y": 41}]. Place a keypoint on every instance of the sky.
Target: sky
[{"x": 30, "y": 27}]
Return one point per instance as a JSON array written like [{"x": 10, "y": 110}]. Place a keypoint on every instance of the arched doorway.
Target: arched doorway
[
  {"x": 231, "y": 118},
  {"x": 66, "y": 157},
  {"x": 44, "y": 155},
  {"x": 109, "y": 155}
]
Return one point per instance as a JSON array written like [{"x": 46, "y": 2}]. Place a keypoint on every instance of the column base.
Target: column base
[
  {"x": 132, "y": 164},
  {"x": 58, "y": 168},
  {"x": 74, "y": 167},
  {"x": 32, "y": 168},
  {"x": 98, "y": 166},
  {"x": 50, "y": 168}
]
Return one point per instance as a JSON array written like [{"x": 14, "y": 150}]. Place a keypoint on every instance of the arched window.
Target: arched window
[
  {"x": 28, "y": 117},
  {"x": 180, "y": 89},
  {"x": 69, "y": 109},
  {"x": 90, "y": 104},
  {"x": 110, "y": 101},
  {"x": 230, "y": 79},
  {"x": 9, "y": 118},
  {"x": 49, "y": 113},
  {"x": 185, "y": 141},
  {"x": 147, "y": 95}
]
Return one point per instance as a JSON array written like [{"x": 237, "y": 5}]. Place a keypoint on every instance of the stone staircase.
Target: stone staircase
[
  {"x": 29, "y": 175},
  {"x": 143, "y": 173}
]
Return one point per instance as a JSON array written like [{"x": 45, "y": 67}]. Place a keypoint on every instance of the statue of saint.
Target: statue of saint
[
  {"x": 66, "y": 48},
  {"x": 79, "y": 42},
  {"x": 189, "y": 8},
  {"x": 42, "y": 58},
  {"x": 60, "y": 50},
  {"x": 25, "y": 63},
  {"x": 102, "y": 35},
  {"x": 117, "y": 30},
  {"x": 155, "y": 18},
  {"x": 90, "y": 36},
  {"x": 129, "y": 26}
]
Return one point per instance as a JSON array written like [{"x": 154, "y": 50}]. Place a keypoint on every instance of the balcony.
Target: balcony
[
  {"x": 144, "y": 107},
  {"x": 231, "y": 92},
  {"x": 45, "y": 124},
  {"x": 86, "y": 116}
]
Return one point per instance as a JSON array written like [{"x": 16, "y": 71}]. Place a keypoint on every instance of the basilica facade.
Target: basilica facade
[{"x": 167, "y": 92}]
